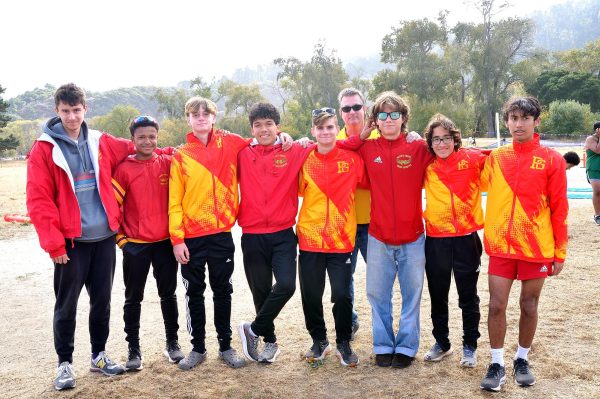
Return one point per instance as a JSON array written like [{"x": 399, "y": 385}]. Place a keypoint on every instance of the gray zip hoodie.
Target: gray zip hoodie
[{"x": 94, "y": 224}]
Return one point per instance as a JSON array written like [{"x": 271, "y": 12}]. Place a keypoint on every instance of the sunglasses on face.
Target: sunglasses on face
[
  {"x": 144, "y": 118},
  {"x": 355, "y": 107},
  {"x": 444, "y": 139},
  {"x": 317, "y": 112},
  {"x": 384, "y": 115}
]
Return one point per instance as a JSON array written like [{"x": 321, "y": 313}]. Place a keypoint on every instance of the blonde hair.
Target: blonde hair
[
  {"x": 194, "y": 104},
  {"x": 322, "y": 118}
]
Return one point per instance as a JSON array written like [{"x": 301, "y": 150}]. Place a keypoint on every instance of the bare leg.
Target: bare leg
[
  {"x": 530, "y": 297},
  {"x": 499, "y": 291}
]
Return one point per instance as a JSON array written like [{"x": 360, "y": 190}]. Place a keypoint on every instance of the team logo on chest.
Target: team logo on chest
[
  {"x": 464, "y": 164},
  {"x": 163, "y": 179},
  {"x": 404, "y": 161},
  {"x": 280, "y": 161},
  {"x": 219, "y": 142},
  {"x": 343, "y": 167},
  {"x": 538, "y": 163}
]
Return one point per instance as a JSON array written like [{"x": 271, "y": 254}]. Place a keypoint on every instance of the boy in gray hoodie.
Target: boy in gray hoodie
[{"x": 73, "y": 209}]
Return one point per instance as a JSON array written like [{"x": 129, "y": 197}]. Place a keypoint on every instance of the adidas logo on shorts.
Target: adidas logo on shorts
[{"x": 543, "y": 269}]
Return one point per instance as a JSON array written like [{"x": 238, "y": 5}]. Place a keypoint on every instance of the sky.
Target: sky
[{"x": 107, "y": 44}]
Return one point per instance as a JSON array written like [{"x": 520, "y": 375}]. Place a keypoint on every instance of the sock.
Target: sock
[
  {"x": 95, "y": 355},
  {"x": 498, "y": 356},
  {"x": 522, "y": 352}
]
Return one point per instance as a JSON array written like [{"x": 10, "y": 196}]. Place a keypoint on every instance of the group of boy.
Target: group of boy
[{"x": 84, "y": 187}]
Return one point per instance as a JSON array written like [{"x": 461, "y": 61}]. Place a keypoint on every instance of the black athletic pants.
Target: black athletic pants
[
  {"x": 266, "y": 256},
  {"x": 216, "y": 251},
  {"x": 460, "y": 256},
  {"x": 137, "y": 258},
  {"x": 91, "y": 264},
  {"x": 312, "y": 267}
]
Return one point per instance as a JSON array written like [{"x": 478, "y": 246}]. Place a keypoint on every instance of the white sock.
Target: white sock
[
  {"x": 498, "y": 356},
  {"x": 522, "y": 352}
]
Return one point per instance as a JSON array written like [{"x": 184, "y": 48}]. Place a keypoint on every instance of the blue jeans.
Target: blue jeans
[
  {"x": 384, "y": 263},
  {"x": 362, "y": 237}
]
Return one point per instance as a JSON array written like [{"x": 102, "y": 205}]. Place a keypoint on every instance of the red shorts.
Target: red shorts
[{"x": 516, "y": 269}]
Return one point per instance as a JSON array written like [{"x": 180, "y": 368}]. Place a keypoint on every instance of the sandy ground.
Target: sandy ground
[{"x": 563, "y": 356}]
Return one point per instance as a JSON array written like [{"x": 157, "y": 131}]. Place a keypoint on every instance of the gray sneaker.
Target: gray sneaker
[
  {"x": 522, "y": 373},
  {"x": 249, "y": 341},
  {"x": 355, "y": 327},
  {"x": 173, "y": 352},
  {"x": 494, "y": 378},
  {"x": 469, "y": 357},
  {"x": 134, "y": 359},
  {"x": 192, "y": 360},
  {"x": 232, "y": 359},
  {"x": 65, "y": 377},
  {"x": 436, "y": 353},
  {"x": 269, "y": 353},
  {"x": 318, "y": 350},
  {"x": 103, "y": 364}
]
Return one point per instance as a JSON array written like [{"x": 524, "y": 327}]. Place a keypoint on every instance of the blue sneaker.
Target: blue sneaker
[{"x": 65, "y": 377}]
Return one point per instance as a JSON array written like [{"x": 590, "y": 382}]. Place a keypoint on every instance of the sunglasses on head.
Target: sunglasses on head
[
  {"x": 355, "y": 107},
  {"x": 384, "y": 115},
  {"x": 317, "y": 112},
  {"x": 144, "y": 118}
]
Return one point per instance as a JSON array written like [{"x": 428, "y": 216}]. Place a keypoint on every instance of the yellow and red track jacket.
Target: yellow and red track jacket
[
  {"x": 203, "y": 186},
  {"x": 527, "y": 206},
  {"x": 453, "y": 194},
  {"x": 142, "y": 190},
  {"x": 327, "y": 219}
]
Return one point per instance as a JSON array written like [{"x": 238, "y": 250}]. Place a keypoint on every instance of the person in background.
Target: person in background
[
  {"x": 592, "y": 168},
  {"x": 571, "y": 159}
]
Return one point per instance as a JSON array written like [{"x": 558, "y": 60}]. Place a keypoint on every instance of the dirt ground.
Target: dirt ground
[{"x": 562, "y": 356}]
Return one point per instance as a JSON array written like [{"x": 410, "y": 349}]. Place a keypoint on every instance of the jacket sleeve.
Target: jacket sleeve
[
  {"x": 352, "y": 143},
  {"x": 119, "y": 185},
  {"x": 176, "y": 191},
  {"x": 559, "y": 206},
  {"x": 486, "y": 174},
  {"x": 42, "y": 209},
  {"x": 118, "y": 149}
]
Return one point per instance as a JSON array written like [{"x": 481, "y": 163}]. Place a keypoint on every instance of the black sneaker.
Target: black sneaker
[
  {"x": 384, "y": 359},
  {"x": 318, "y": 350},
  {"x": 134, "y": 359},
  {"x": 597, "y": 219},
  {"x": 346, "y": 354},
  {"x": 355, "y": 327},
  {"x": 523, "y": 375},
  {"x": 173, "y": 352},
  {"x": 401, "y": 361},
  {"x": 494, "y": 378}
]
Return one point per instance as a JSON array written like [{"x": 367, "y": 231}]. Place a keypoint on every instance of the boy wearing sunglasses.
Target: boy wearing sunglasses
[
  {"x": 144, "y": 237},
  {"x": 453, "y": 214},
  {"x": 395, "y": 169},
  {"x": 326, "y": 232},
  {"x": 353, "y": 112},
  {"x": 74, "y": 211}
]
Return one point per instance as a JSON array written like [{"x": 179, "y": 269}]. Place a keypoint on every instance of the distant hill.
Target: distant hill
[
  {"x": 39, "y": 103},
  {"x": 568, "y": 25}
]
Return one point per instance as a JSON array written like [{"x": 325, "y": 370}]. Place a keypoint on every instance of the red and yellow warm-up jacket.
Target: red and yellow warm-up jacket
[
  {"x": 527, "y": 206},
  {"x": 327, "y": 219},
  {"x": 203, "y": 186},
  {"x": 142, "y": 190},
  {"x": 453, "y": 194}
]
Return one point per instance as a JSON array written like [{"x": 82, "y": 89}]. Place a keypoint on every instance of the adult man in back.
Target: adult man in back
[
  {"x": 353, "y": 112},
  {"x": 74, "y": 211},
  {"x": 592, "y": 167}
]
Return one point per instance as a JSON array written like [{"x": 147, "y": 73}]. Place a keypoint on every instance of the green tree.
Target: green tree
[
  {"x": 493, "y": 48},
  {"x": 25, "y": 131},
  {"x": 10, "y": 142},
  {"x": 239, "y": 98},
  {"x": 415, "y": 47},
  {"x": 172, "y": 132},
  {"x": 567, "y": 117},
  {"x": 116, "y": 122},
  {"x": 310, "y": 85},
  {"x": 563, "y": 85},
  {"x": 171, "y": 102}
]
